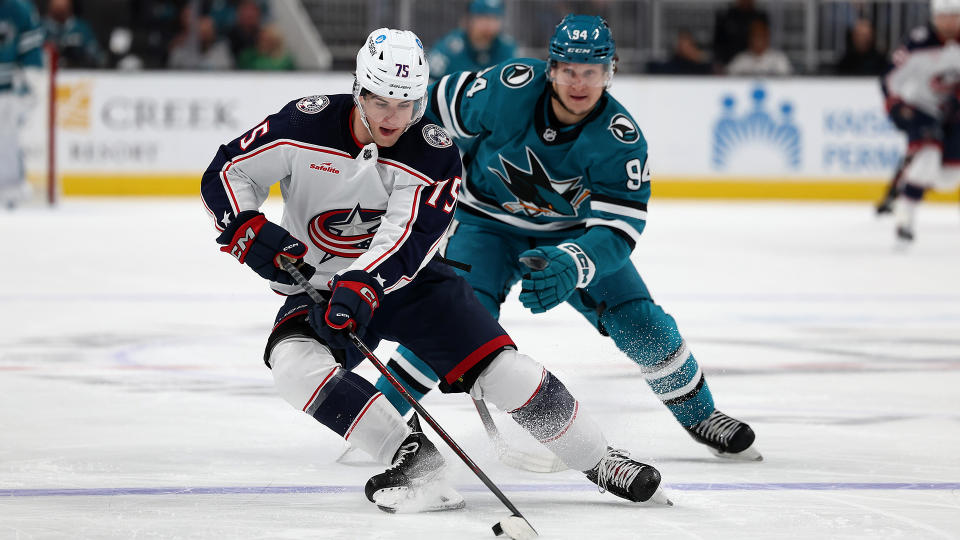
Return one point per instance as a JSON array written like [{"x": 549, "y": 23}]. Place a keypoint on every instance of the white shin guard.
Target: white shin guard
[
  {"x": 305, "y": 374},
  {"x": 541, "y": 404}
]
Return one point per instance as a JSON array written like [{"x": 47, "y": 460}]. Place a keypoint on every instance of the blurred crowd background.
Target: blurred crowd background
[{"x": 687, "y": 37}]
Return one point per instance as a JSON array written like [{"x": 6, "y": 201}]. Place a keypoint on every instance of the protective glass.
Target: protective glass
[{"x": 593, "y": 75}]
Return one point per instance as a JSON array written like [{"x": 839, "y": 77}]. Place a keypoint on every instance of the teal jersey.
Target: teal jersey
[
  {"x": 526, "y": 172},
  {"x": 453, "y": 52},
  {"x": 21, "y": 40},
  {"x": 76, "y": 42}
]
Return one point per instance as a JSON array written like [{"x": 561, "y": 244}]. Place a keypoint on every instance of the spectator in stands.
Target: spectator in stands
[
  {"x": 759, "y": 59},
  {"x": 731, "y": 30},
  {"x": 480, "y": 43},
  {"x": 246, "y": 27},
  {"x": 72, "y": 36},
  {"x": 198, "y": 46},
  {"x": 155, "y": 23},
  {"x": 861, "y": 56},
  {"x": 269, "y": 54},
  {"x": 687, "y": 59}
]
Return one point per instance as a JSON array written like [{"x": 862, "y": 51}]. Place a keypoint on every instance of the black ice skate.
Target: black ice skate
[
  {"x": 412, "y": 483},
  {"x": 904, "y": 234},
  {"x": 726, "y": 437},
  {"x": 627, "y": 479}
]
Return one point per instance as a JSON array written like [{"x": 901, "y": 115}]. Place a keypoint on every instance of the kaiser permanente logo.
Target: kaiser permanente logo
[{"x": 756, "y": 138}]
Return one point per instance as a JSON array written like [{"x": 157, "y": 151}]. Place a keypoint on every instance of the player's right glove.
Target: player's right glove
[
  {"x": 557, "y": 272},
  {"x": 354, "y": 296},
  {"x": 258, "y": 243}
]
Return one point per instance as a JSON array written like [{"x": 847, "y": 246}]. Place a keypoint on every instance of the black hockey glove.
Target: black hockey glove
[
  {"x": 355, "y": 295},
  {"x": 258, "y": 243}
]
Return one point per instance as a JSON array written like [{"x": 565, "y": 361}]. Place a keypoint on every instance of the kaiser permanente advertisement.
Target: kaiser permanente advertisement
[{"x": 154, "y": 133}]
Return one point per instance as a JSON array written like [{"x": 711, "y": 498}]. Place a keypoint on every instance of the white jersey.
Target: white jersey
[
  {"x": 925, "y": 72},
  {"x": 380, "y": 210}
]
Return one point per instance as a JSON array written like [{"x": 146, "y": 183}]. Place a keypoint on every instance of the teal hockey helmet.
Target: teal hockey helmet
[{"x": 583, "y": 39}]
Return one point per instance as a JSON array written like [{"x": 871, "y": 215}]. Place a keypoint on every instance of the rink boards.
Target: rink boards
[{"x": 812, "y": 138}]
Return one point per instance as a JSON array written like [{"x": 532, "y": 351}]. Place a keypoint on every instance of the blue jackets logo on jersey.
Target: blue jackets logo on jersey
[
  {"x": 344, "y": 232},
  {"x": 537, "y": 194},
  {"x": 623, "y": 129},
  {"x": 516, "y": 75},
  {"x": 756, "y": 126},
  {"x": 313, "y": 104}
]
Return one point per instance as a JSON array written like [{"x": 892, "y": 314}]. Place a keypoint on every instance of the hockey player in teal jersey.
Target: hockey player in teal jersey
[
  {"x": 21, "y": 42},
  {"x": 558, "y": 178},
  {"x": 481, "y": 43}
]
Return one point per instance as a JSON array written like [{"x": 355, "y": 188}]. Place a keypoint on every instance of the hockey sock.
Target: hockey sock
[
  {"x": 541, "y": 404},
  {"x": 308, "y": 377},
  {"x": 649, "y": 336},
  {"x": 415, "y": 375}
]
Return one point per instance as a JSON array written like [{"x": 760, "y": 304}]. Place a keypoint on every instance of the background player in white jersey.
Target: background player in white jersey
[
  {"x": 21, "y": 42},
  {"x": 922, "y": 90},
  {"x": 557, "y": 172},
  {"x": 371, "y": 187}
]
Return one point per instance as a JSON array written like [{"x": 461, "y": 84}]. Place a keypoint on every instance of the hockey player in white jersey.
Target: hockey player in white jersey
[
  {"x": 369, "y": 189},
  {"x": 922, "y": 90}
]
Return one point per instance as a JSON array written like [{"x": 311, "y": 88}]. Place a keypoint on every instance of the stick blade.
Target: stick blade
[{"x": 515, "y": 527}]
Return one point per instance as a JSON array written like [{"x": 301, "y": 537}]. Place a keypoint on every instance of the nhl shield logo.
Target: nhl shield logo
[
  {"x": 436, "y": 136},
  {"x": 516, "y": 75},
  {"x": 623, "y": 129},
  {"x": 313, "y": 104}
]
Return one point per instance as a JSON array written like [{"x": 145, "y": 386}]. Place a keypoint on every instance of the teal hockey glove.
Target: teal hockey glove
[{"x": 557, "y": 271}]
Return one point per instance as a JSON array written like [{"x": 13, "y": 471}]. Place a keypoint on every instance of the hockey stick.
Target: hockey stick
[
  {"x": 516, "y": 458},
  {"x": 516, "y": 526}
]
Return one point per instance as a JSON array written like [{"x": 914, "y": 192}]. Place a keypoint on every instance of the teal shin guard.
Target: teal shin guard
[
  {"x": 410, "y": 371},
  {"x": 649, "y": 336}
]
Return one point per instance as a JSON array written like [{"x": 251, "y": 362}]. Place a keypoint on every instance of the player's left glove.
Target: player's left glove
[
  {"x": 557, "y": 271},
  {"x": 355, "y": 295}
]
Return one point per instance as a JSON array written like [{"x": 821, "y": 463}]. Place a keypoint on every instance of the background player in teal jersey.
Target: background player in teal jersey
[
  {"x": 479, "y": 44},
  {"x": 21, "y": 42},
  {"x": 557, "y": 174}
]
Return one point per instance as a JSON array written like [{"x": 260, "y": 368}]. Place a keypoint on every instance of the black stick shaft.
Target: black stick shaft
[{"x": 362, "y": 347}]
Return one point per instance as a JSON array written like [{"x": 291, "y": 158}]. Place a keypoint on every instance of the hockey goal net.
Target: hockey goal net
[{"x": 38, "y": 134}]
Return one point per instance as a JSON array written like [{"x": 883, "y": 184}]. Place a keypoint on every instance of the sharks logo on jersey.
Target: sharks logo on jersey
[
  {"x": 516, "y": 75},
  {"x": 344, "y": 232},
  {"x": 623, "y": 129},
  {"x": 537, "y": 194}
]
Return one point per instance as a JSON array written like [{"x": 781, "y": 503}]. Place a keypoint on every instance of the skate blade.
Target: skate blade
[
  {"x": 404, "y": 500},
  {"x": 659, "y": 498},
  {"x": 750, "y": 454}
]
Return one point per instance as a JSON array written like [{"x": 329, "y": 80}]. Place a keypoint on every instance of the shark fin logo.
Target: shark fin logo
[
  {"x": 539, "y": 195},
  {"x": 623, "y": 129},
  {"x": 516, "y": 75}
]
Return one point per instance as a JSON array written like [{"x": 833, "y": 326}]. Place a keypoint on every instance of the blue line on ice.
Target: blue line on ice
[{"x": 584, "y": 486}]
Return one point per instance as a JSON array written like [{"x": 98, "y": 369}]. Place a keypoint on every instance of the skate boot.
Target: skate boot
[
  {"x": 726, "y": 437},
  {"x": 412, "y": 483},
  {"x": 627, "y": 479},
  {"x": 904, "y": 234}
]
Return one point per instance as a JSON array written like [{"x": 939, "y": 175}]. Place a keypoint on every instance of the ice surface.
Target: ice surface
[{"x": 134, "y": 403}]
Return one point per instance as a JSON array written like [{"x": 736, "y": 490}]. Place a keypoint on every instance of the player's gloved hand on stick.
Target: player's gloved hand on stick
[
  {"x": 259, "y": 243},
  {"x": 355, "y": 295},
  {"x": 566, "y": 268}
]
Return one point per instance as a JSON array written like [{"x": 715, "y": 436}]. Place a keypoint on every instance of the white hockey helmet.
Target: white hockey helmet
[
  {"x": 391, "y": 64},
  {"x": 938, "y": 7}
]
